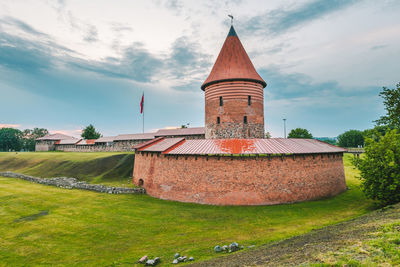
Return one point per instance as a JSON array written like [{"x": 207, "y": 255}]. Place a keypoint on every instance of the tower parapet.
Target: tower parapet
[{"x": 234, "y": 96}]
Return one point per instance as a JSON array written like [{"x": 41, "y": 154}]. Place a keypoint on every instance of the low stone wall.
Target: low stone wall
[
  {"x": 73, "y": 183},
  {"x": 240, "y": 180},
  {"x": 117, "y": 146}
]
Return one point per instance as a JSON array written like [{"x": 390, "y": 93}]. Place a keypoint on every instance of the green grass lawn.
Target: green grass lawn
[
  {"x": 88, "y": 228},
  {"x": 112, "y": 168}
]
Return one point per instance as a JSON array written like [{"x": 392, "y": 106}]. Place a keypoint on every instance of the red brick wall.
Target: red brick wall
[
  {"x": 240, "y": 180},
  {"x": 235, "y": 107}
]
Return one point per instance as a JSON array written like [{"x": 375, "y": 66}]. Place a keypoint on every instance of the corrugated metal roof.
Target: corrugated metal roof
[
  {"x": 233, "y": 63},
  {"x": 254, "y": 146},
  {"x": 181, "y": 131},
  {"x": 125, "y": 137},
  {"x": 147, "y": 143},
  {"x": 68, "y": 141},
  {"x": 163, "y": 145},
  {"x": 86, "y": 142},
  {"x": 56, "y": 136},
  {"x": 105, "y": 139}
]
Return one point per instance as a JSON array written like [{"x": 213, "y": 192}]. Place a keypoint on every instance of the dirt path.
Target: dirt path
[{"x": 306, "y": 248}]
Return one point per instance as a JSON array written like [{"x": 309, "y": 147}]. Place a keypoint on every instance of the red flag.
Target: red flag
[{"x": 142, "y": 104}]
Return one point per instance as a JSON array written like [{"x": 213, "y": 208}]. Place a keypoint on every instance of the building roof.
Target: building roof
[
  {"x": 125, "y": 137},
  {"x": 105, "y": 139},
  {"x": 241, "y": 146},
  {"x": 86, "y": 142},
  {"x": 163, "y": 145},
  {"x": 68, "y": 141},
  {"x": 56, "y": 136},
  {"x": 181, "y": 131},
  {"x": 233, "y": 64}
]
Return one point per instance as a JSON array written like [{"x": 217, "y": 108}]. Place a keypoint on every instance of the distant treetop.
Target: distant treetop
[{"x": 90, "y": 133}]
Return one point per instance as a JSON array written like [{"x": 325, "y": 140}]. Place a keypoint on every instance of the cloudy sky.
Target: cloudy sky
[{"x": 68, "y": 63}]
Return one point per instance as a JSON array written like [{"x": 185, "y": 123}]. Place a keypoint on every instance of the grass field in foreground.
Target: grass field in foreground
[
  {"x": 88, "y": 228},
  {"x": 112, "y": 168}
]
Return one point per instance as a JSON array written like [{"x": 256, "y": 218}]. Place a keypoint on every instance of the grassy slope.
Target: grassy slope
[
  {"x": 369, "y": 240},
  {"x": 87, "y": 228},
  {"x": 104, "y": 167}
]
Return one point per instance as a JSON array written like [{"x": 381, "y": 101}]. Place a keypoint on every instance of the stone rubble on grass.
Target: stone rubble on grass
[
  {"x": 217, "y": 248},
  {"x": 234, "y": 247},
  {"x": 149, "y": 262},
  {"x": 73, "y": 183},
  {"x": 231, "y": 248},
  {"x": 143, "y": 259},
  {"x": 178, "y": 258}
]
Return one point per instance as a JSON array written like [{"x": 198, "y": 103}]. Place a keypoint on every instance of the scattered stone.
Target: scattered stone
[
  {"x": 252, "y": 246},
  {"x": 233, "y": 247},
  {"x": 175, "y": 261},
  {"x": 224, "y": 247},
  {"x": 157, "y": 260},
  {"x": 191, "y": 259},
  {"x": 143, "y": 259},
  {"x": 150, "y": 263},
  {"x": 242, "y": 247},
  {"x": 184, "y": 258},
  {"x": 177, "y": 255},
  {"x": 217, "y": 248}
]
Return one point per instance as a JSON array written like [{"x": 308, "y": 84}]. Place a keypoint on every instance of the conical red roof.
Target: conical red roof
[{"x": 233, "y": 64}]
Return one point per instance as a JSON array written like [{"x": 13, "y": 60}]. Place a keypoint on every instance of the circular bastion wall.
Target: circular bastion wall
[{"x": 240, "y": 180}]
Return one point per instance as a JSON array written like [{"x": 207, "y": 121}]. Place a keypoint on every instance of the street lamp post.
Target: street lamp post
[{"x": 284, "y": 128}]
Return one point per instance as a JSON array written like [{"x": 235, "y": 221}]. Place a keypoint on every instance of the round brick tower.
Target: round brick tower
[{"x": 234, "y": 95}]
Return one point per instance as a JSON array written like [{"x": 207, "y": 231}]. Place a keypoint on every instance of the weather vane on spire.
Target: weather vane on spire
[{"x": 231, "y": 19}]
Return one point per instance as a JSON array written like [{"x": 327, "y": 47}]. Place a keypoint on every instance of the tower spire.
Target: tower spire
[{"x": 233, "y": 63}]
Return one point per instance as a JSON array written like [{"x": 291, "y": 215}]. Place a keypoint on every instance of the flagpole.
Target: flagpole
[{"x": 143, "y": 114}]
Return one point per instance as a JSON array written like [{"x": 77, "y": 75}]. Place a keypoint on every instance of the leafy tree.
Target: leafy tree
[
  {"x": 380, "y": 168},
  {"x": 376, "y": 132},
  {"x": 267, "y": 135},
  {"x": 391, "y": 100},
  {"x": 10, "y": 139},
  {"x": 90, "y": 133},
  {"x": 351, "y": 138},
  {"x": 300, "y": 133}
]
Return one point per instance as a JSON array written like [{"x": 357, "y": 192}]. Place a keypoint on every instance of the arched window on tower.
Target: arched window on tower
[
  {"x": 245, "y": 119},
  {"x": 221, "y": 102},
  {"x": 218, "y": 120},
  {"x": 249, "y": 100}
]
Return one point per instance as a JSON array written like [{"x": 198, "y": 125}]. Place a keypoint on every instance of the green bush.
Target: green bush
[{"x": 380, "y": 168}]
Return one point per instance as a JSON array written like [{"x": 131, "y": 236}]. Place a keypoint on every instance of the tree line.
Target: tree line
[{"x": 16, "y": 140}]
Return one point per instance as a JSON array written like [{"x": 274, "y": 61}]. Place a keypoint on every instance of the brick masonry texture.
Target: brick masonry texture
[
  {"x": 234, "y": 180},
  {"x": 235, "y": 107}
]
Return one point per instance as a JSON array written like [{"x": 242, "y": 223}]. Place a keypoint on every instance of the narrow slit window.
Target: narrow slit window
[
  {"x": 221, "y": 102},
  {"x": 218, "y": 120},
  {"x": 245, "y": 119},
  {"x": 249, "y": 100}
]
